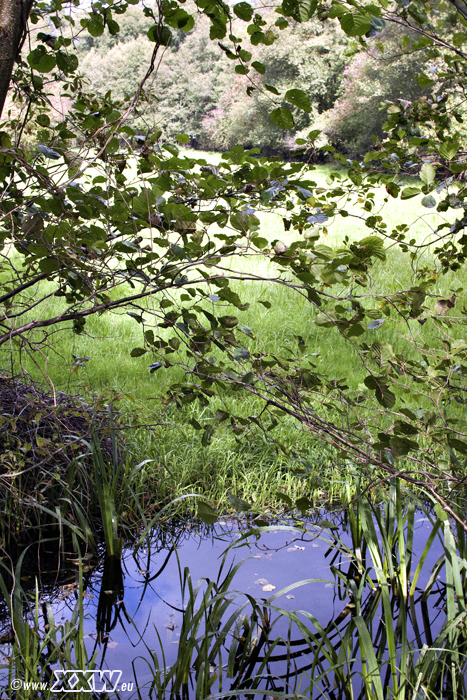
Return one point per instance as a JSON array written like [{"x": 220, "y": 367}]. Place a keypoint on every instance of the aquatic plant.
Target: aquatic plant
[{"x": 398, "y": 631}]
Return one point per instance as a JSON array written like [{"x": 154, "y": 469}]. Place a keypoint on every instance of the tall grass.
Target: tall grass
[
  {"x": 398, "y": 632},
  {"x": 98, "y": 366}
]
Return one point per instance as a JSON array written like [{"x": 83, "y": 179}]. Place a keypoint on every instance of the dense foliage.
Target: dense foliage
[
  {"x": 213, "y": 107},
  {"x": 127, "y": 223}
]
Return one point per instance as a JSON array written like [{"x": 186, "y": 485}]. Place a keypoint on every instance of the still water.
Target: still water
[{"x": 134, "y": 610}]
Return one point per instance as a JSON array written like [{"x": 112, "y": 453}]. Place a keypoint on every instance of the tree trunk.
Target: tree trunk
[{"x": 13, "y": 19}]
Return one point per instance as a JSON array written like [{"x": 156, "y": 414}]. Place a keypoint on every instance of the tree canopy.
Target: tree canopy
[{"x": 109, "y": 217}]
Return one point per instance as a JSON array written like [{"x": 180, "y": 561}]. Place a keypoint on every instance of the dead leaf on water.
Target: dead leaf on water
[
  {"x": 170, "y": 625},
  {"x": 112, "y": 645},
  {"x": 290, "y": 597},
  {"x": 269, "y": 587},
  {"x": 262, "y": 581},
  {"x": 108, "y": 592}
]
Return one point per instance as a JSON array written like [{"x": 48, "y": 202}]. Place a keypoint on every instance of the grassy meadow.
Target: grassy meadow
[{"x": 252, "y": 468}]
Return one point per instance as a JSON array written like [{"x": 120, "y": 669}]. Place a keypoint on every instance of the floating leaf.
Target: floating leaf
[
  {"x": 238, "y": 503},
  {"x": 206, "y": 513},
  {"x": 327, "y": 524}
]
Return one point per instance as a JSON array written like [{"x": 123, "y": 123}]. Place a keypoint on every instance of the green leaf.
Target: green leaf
[
  {"x": 236, "y": 155},
  {"x": 427, "y": 173},
  {"x": 48, "y": 152},
  {"x": 243, "y": 10},
  {"x": 283, "y": 497},
  {"x": 66, "y": 62},
  {"x": 355, "y": 23},
  {"x": 383, "y": 394},
  {"x": 238, "y": 503},
  {"x": 299, "y": 98},
  {"x": 95, "y": 26},
  {"x": 440, "y": 513},
  {"x": 429, "y": 201},
  {"x": 448, "y": 150},
  {"x": 179, "y": 19},
  {"x": 160, "y": 35},
  {"x": 206, "y": 513},
  {"x": 259, "y": 67},
  {"x": 402, "y": 446},
  {"x": 409, "y": 192},
  {"x": 327, "y": 524},
  {"x": 137, "y": 352},
  {"x": 228, "y": 321},
  {"x": 207, "y": 435},
  {"x": 43, "y": 120},
  {"x": 41, "y": 61},
  {"x": 259, "y": 242},
  {"x": 49, "y": 265},
  {"x": 221, "y": 416},
  {"x": 272, "y": 89},
  {"x": 303, "y": 504},
  {"x": 113, "y": 27},
  {"x": 241, "y": 354},
  {"x": 424, "y": 81},
  {"x": 282, "y": 118},
  {"x": 240, "y": 221}
]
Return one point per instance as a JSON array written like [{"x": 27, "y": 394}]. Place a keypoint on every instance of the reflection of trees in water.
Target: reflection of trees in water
[{"x": 263, "y": 657}]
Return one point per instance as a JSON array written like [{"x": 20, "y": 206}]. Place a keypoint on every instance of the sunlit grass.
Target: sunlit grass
[{"x": 227, "y": 465}]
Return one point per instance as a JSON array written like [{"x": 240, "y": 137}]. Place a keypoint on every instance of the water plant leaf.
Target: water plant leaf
[
  {"x": 206, "y": 513},
  {"x": 238, "y": 503},
  {"x": 327, "y": 525}
]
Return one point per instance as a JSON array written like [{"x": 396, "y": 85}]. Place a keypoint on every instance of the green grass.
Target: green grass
[
  {"x": 397, "y": 631},
  {"x": 252, "y": 468}
]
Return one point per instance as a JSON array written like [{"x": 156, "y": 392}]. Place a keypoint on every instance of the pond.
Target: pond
[{"x": 277, "y": 610}]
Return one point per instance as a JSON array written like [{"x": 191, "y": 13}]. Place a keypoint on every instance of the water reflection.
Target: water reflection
[{"x": 142, "y": 612}]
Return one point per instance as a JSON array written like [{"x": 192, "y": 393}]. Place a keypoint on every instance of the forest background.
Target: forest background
[{"x": 195, "y": 90}]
